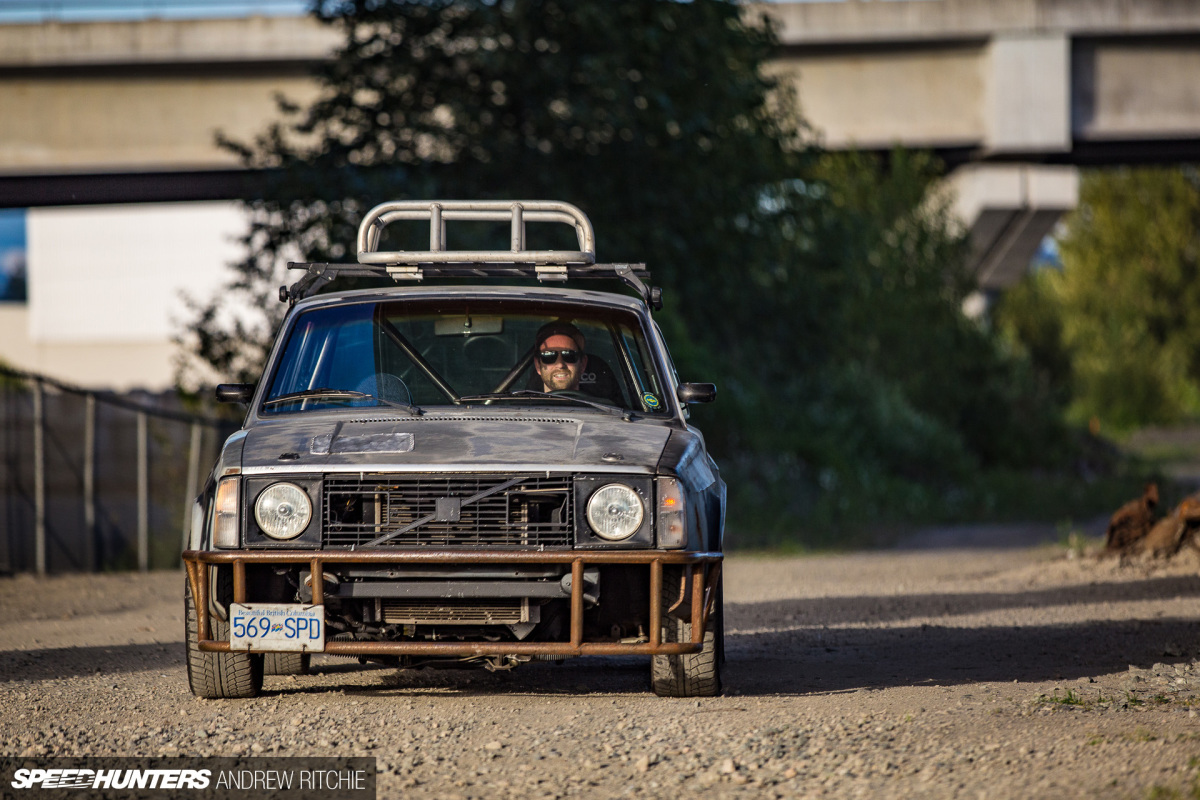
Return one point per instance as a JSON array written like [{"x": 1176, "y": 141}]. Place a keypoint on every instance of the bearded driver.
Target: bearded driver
[{"x": 559, "y": 358}]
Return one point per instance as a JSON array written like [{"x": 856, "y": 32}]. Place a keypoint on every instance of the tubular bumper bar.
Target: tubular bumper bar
[{"x": 705, "y": 577}]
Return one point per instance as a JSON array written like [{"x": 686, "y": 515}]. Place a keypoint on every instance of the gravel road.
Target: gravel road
[{"x": 922, "y": 673}]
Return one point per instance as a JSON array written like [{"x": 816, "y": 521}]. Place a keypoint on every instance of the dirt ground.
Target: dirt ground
[{"x": 928, "y": 672}]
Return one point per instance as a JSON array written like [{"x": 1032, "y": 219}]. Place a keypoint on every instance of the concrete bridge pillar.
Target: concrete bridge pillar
[
  {"x": 1009, "y": 209},
  {"x": 1028, "y": 107}
]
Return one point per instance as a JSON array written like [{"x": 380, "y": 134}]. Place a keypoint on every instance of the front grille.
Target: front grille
[
  {"x": 535, "y": 513},
  {"x": 455, "y": 612}
]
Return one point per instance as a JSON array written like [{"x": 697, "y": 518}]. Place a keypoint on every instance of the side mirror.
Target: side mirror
[
  {"x": 696, "y": 392},
  {"x": 235, "y": 392}
]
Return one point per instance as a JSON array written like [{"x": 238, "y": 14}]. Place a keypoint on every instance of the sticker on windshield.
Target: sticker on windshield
[{"x": 650, "y": 400}]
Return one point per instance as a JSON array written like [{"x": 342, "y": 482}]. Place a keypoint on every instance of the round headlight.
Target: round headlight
[
  {"x": 283, "y": 511},
  {"x": 615, "y": 512}
]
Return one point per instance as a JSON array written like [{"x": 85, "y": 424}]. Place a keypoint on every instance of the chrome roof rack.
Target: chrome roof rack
[
  {"x": 438, "y": 213},
  {"x": 438, "y": 262}
]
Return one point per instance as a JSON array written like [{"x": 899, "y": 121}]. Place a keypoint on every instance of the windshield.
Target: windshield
[{"x": 417, "y": 354}]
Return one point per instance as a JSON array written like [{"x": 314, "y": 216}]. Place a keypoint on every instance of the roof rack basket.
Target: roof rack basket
[{"x": 437, "y": 261}]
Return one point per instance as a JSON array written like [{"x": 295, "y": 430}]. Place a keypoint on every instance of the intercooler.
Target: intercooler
[{"x": 502, "y": 611}]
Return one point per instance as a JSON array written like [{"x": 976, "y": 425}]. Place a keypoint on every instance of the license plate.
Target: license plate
[{"x": 273, "y": 627}]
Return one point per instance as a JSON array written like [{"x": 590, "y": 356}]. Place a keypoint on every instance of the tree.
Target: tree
[
  {"x": 652, "y": 116},
  {"x": 1120, "y": 335},
  {"x": 821, "y": 291}
]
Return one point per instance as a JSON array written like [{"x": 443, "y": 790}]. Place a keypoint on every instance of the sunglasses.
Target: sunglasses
[{"x": 551, "y": 356}]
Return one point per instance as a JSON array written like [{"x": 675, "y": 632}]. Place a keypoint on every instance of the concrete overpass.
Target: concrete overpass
[
  {"x": 1066, "y": 81},
  {"x": 1012, "y": 93},
  {"x": 113, "y": 112}
]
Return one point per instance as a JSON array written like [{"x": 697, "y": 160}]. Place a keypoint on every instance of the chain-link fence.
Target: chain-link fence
[{"x": 94, "y": 481}]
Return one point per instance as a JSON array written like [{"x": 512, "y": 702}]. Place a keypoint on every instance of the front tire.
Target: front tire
[
  {"x": 286, "y": 663},
  {"x": 694, "y": 675},
  {"x": 218, "y": 675}
]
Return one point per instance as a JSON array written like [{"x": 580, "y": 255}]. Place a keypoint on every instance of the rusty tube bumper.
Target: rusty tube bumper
[{"x": 705, "y": 575}]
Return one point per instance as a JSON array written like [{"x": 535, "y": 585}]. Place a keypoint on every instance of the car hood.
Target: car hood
[{"x": 458, "y": 443}]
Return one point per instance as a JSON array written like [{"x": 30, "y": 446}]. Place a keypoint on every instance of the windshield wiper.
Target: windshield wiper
[
  {"x": 411, "y": 408},
  {"x": 340, "y": 394},
  {"x": 533, "y": 394}
]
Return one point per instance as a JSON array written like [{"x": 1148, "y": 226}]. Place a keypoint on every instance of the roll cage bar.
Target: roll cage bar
[{"x": 438, "y": 262}]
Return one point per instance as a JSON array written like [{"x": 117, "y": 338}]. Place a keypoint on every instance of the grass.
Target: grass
[
  {"x": 1073, "y": 540},
  {"x": 1074, "y": 699},
  {"x": 1164, "y": 446},
  {"x": 850, "y": 519},
  {"x": 793, "y": 514},
  {"x": 1070, "y": 698},
  {"x": 1188, "y": 791},
  {"x": 1165, "y": 453},
  {"x": 1019, "y": 497},
  {"x": 1191, "y": 791},
  {"x": 1142, "y": 735},
  {"x": 1132, "y": 700}
]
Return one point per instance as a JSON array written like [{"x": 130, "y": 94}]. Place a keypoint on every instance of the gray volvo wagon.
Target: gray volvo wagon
[{"x": 474, "y": 472}]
